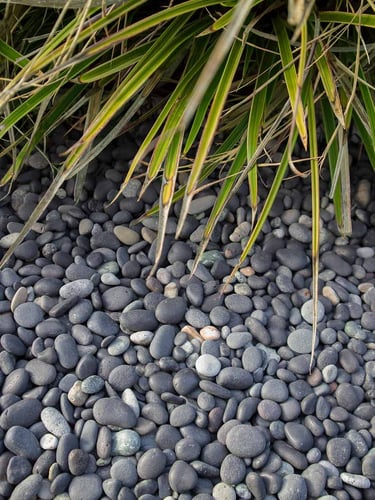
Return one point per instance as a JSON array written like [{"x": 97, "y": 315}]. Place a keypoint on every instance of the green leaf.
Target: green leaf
[{"x": 291, "y": 80}]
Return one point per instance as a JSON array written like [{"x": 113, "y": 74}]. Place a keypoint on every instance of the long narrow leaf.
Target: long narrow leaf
[
  {"x": 315, "y": 192},
  {"x": 210, "y": 128},
  {"x": 291, "y": 80}
]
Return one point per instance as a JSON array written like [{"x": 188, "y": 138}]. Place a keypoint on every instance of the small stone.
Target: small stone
[
  {"x": 22, "y": 442},
  {"x": 113, "y": 411},
  {"x": 86, "y": 487},
  {"x": 171, "y": 310},
  {"x": 54, "y": 422},
  {"x": 293, "y": 488},
  {"x": 79, "y": 288},
  {"x": 356, "y": 480},
  {"x": 182, "y": 477},
  {"x": 125, "y": 443},
  {"x": 28, "y": 488},
  {"x": 28, "y": 314},
  {"x": 245, "y": 441},
  {"x": 151, "y": 464},
  {"x": 126, "y": 235},
  {"x": 275, "y": 390},
  {"x": 207, "y": 365},
  {"x": 338, "y": 451},
  {"x": 102, "y": 324},
  {"x": 224, "y": 491},
  {"x": 300, "y": 340},
  {"x": 307, "y": 311}
]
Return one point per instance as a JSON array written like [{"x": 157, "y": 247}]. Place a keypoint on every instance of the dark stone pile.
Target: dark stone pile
[{"x": 119, "y": 385}]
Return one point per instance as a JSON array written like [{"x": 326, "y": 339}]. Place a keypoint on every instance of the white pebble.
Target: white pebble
[{"x": 207, "y": 365}]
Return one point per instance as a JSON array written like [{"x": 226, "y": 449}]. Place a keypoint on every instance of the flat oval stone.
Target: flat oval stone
[
  {"x": 275, "y": 390},
  {"x": 102, "y": 324},
  {"x": 67, "y": 351},
  {"x": 41, "y": 373},
  {"x": 117, "y": 297},
  {"x": 23, "y": 413},
  {"x": 207, "y": 365},
  {"x": 125, "y": 443},
  {"x": 245, "y": 441},
  {"x": 139, "y": 319},
  {"x": 182, "y": 477},
  {"x": 78, "y": 288},
  {"x": 113, "y": 411},
  {"x": 28, "y": 488},
  {"x": 293, "y": 488},
  {"x": 298, "y": 436},
  {"x": 171, "y": 310},
  {"x": 54, "y": 422},
  {"x": 86, "y": 487},
  {"x": 162, "y": 342},
  {"x": 28, "y": 314},
  {"x": 22, "y": 442},
  {"x": 234, "y": 378},
  {"x": 151, "y": 464},
  {"x": 126, "y": 235}
]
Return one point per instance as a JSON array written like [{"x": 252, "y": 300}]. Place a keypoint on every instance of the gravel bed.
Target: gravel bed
[{"x": 118, "y": 385}]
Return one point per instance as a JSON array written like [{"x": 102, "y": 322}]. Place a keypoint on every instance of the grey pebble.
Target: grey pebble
[
  {"x": 182, "y": 477},
  {"x": 86, "y": 487},
  {"x": 275, "y": 390},
  {"x": 315, "y": 476},
  {"x": 207, "y": 365},
  {"x": 151, "y": 464},
  {"x": 171, "y": 310},
  {"x": 162, "y": 342},
  {"x": 293, "y": 488},
  {"x": 234, "y": 378},
  {"x": 117, "y": 297},
  {"x": 245, "y": 441},
  {"x": 28, "y": 314},
  {"x": 28, "y": 488},
  {"x": 102, "y": 324},
  {"x": 41, "y": 373},
  {"x": 123, "y": 471},
  {"x": 79, "y": 288},
  {"x": 18, "y": 469},
  {"x": 23, "y": 413},
  {"x": 338, "y": 451},
  {"x": 138, "y": 319},
  {"x": 22, "y": 442},
  {"x": 125, "y": 443},
  {"x": 54, "y": 422},
  {"x": 307, "y": 311},
  {"x": 113, "y": 411},
  {"x": 67, "y": 351}
]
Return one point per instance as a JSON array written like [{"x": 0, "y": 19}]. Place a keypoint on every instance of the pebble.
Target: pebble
[
  {"x": 182, "y": 477},
  {"x": 22, "y": 442},
  {"x": 207, "y": 365},
  {"x": 28, "y": 488},
  {"x": 79, "y": 288},
  {"x": 293, "y": 488},
  {"x": 300, "y": 340},
  {"x": 54, "y": 422},
  {"x": 126, "y": 235},
  {"x": 113, "y": 411},
  {"x": 125, "y": 443},
  {"x": 307, "y": 311},
  {"x": 245, "y": 441},
  {"x": 86, "y": 487},
  {"x": 28, "y": 314},
  {"x": 151, "y": 464}
]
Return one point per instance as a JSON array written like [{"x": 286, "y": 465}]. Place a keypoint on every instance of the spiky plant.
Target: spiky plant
[{"x": 251, "y": 72}]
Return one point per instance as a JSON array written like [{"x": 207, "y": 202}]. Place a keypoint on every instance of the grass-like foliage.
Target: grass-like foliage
[{"x": 233, "y": 78}]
